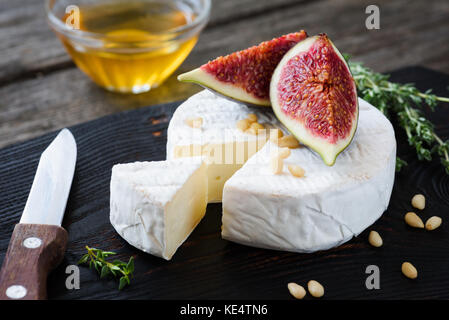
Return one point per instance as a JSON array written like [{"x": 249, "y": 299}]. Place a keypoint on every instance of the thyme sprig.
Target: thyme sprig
[
  {"x": 404, "y": 100},
  {"x": 96, "y": 258}
]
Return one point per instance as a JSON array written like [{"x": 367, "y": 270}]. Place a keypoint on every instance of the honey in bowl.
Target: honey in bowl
[{"x": 136, "y": 45}]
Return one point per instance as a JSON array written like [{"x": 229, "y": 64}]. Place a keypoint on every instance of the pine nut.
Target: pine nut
[
  {"x": 178, "y": 152},
  {"x": 189, "y": 122},
  {"x": 315, "y": 288},
  {"x": 251, "y": 130},
  {"x": 413, "y": 220},
  {"x": 252, "y": 117},
  {"x": 375, "y": 239},
  {"x": 275, "y": 134},
  {"x": 296, "y": 290},
  {"x": 284, "y": 153},
  {"x": 419, "y": 201},
  {"x": 243, "y": 124},
  {"x": 433, "y": 223},
  {"x": 277, "y": 164},
  {"x": 289, "y": 142},
  {"x": 296, "y": 171},
  {"x": 198, "y": 123},
  {"x": 257, "y": 126},
  {"x": 194, "y": 122},
  {"x": 409, "y": 270}
]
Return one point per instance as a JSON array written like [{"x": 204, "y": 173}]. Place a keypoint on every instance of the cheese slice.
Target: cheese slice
[
  {"x": 323, "y": 209},
  {"x": 156, "y": 205},
  {"x": 222, "y": 145}
]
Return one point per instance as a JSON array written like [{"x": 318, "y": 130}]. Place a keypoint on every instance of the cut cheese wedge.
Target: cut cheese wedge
[
  {"x": 156, "y": 205},
  {"x": 323, "y": 209},
  {"x": 223, "y": 146}
]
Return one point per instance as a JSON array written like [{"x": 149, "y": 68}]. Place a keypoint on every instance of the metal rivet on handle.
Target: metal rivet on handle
[
  {"x": 32, "y": 242},
  {"x": 16, "y": 292}
]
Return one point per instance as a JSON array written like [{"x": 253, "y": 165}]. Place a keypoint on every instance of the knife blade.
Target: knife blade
[
  {"x": 38, "y": 241},
  {"x": 50, "y": 190}
]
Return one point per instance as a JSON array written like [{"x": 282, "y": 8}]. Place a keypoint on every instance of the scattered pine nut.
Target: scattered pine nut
[
  {"x": 243, "y": 124},
  {"x": 257, "y": 126},
  {"x": 194, "y": 122},
  {"x": 284, "y": 153},
  {"x": 277, "y": 164},
  {"x": 296, "y": 171},
  {"x": 252, "y": 117},
  {"x": 296, "y": 290},
  {"x": 419, "y": 201},
  {"x": 315, "y": 288},
  {"x": 289, "y": 142},
  {"x": 275, "y": 134},
  {"x": 409, "y": 270},
  {"x": 251, "y": 130},
  {"x": 375, "y": 239},
  {"x": 198, "y": 123},
  {"x": 189, "y": 122},
  {"x": 413, "y": 220},
  {"x": 433, "y": 223}
]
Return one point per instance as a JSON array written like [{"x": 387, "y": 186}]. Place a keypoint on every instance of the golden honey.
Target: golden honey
[{"x": 133, "y": 49}]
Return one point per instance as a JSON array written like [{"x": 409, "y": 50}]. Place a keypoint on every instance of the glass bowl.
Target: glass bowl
[{"x": 128, "y": 46}]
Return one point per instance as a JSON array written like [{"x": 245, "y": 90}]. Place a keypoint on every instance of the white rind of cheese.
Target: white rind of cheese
[
  {"x": 155, "y": 205},
  {"x": 218, "y": 133},
  {"x": 323, "y": 209}
]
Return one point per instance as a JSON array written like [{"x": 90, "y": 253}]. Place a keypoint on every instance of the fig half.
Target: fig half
[
  {"x": 245, "y": 75},
  {"x": 314, "y": 95}
]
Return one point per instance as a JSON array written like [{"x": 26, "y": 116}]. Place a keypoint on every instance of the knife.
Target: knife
[{"x": 38, "y": 241}]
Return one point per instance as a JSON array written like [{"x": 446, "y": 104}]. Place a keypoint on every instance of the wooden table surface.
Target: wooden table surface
[{"x": 41, "y": 90}]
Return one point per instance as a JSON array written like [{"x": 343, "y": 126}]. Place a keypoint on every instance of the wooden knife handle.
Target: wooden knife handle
[{"x": 34, "y": 250}]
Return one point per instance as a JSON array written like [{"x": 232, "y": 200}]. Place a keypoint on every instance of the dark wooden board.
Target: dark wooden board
[{"x": 208, "y": 267}]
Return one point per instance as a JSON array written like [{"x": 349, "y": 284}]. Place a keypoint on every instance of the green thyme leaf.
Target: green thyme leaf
[
  {"x": 130, "y": 265},
  {"x": 104, "y": 272},
  {"x": 399, "y": 164},
  {"x": 84, "y": 259},
  {"x": 123, "y": 283}
]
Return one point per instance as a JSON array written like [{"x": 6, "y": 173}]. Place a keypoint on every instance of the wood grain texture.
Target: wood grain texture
[
  {"x": 29, "y": 267},
  {"x": 209, "y": 267},
  {"x": 41, "y": 90}
]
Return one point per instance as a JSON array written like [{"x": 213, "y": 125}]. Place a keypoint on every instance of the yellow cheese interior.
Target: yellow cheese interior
[
  {"x": 222, "y": 160},
  {"x": 185, "y": 211}
]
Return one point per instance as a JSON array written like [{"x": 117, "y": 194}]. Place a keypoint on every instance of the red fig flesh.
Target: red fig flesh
[
  {"x": 314, "y": 95},
  {"x": 245, "y": 75}
]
